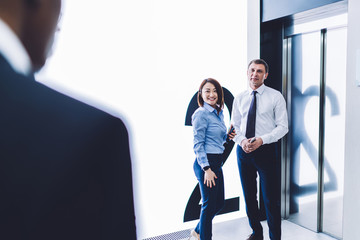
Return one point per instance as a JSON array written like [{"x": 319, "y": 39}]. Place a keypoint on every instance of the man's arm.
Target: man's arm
[
  {"x": 236, "y": 121},
  {"x": 280, "y": 119}
]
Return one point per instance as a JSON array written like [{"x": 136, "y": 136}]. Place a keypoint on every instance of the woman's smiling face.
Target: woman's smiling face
[{"x": 209, "y": 94}]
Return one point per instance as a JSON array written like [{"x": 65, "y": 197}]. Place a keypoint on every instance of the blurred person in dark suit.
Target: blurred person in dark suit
[{"x": 65, "y": 167}]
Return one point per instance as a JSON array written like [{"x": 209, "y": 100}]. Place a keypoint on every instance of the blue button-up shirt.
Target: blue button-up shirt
[{"x": 209, "y": 133}]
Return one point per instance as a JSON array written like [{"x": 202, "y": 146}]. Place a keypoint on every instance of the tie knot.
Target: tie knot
[{"x": 254, "y": 93}]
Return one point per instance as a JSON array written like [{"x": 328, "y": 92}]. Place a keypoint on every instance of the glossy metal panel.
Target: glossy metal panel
[
  {"x": 304, "y": 129},
  {"x": 334, "y": 131}
]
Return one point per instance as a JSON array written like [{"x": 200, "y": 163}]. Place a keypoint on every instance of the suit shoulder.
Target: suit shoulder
[{"x": 22, "y": 96}]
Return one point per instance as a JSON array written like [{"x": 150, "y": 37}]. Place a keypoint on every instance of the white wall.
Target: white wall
[
  {"x": 253, "y": 29},
  {"x": 143, "y": 61},
  {"x": 351, "y": 230}
]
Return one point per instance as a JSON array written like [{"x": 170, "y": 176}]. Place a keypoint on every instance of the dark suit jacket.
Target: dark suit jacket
[{"x": 65, "y": 167}]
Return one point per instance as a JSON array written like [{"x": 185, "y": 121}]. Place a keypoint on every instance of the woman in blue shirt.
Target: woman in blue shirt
[{"x": 209, "y": 137}]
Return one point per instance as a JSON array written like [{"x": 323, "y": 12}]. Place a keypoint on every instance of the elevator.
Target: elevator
[{"x": 314, "y": 77}]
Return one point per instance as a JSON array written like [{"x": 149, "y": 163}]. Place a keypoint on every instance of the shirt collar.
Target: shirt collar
[
  {"x": 13, "y": 50},
  {"x": 259, "y": 90},
  {"x": 208, "y": 107}
]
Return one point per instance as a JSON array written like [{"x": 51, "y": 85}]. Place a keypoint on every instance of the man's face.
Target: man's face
[
  {"x": 38, "y": 35},
  {"x": 256, "y": 75}
]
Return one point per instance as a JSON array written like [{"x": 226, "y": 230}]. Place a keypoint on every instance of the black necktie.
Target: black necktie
[{"x": 250, "y": 126}]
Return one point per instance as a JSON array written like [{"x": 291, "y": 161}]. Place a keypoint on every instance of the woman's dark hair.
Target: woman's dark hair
[{"x": 219, "y": 90}]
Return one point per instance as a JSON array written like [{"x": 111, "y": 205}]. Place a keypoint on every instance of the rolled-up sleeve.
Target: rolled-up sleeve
[{"x": 199, "y": 123}]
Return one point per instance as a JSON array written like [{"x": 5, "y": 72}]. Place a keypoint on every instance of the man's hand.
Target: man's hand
[{"x": 251, "y": 144}]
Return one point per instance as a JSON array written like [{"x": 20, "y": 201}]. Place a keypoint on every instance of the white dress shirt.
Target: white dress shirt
[
  {"x": 13, "y": 51},
  {"x": 271, "y": 115}
]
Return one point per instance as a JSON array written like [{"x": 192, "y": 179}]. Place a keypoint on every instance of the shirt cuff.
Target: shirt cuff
[{"x": 265, "y": 139}]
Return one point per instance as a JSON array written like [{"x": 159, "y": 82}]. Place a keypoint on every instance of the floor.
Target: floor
[
  {"x": 239, "y": 229},
  {"x": 332, "y": 215}
]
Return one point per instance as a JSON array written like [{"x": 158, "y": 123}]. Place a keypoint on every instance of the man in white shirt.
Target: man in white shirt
[
  {"x": 65, "y": 167},
  {"x": 260, "y": 119}
]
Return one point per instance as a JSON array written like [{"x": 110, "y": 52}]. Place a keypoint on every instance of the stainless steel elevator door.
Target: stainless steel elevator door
[
  {"x": 304, "y": 128},
  {"x": 316, "y": 69},
  {"x": 334, "y": 131}
]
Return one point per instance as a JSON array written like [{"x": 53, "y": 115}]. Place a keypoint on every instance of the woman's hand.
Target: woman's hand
[
  {"x": 231, "y": 134},
  {"x": 209, "y": 178}
]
